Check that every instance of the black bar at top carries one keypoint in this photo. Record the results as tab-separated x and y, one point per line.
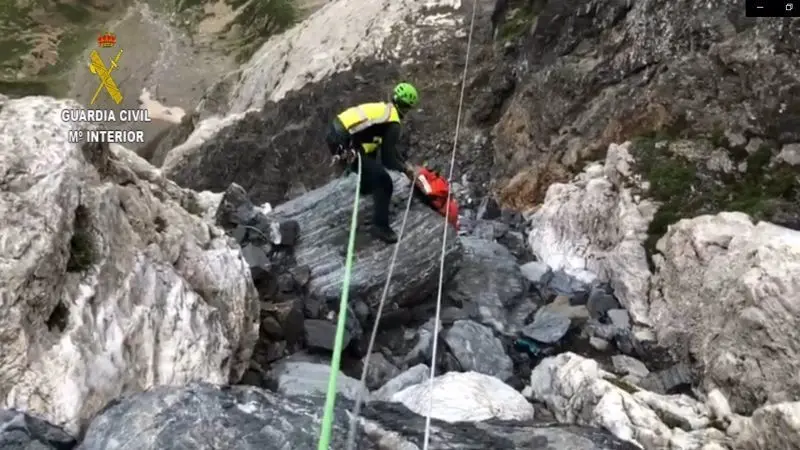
773	8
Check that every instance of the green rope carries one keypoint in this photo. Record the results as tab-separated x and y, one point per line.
330	396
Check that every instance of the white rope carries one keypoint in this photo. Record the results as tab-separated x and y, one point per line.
444	234
351	435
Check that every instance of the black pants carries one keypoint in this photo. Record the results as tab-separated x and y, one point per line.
375	180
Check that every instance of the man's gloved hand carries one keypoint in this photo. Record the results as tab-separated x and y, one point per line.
345	156
411	171
351	155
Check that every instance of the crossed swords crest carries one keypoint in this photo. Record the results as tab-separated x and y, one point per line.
97	67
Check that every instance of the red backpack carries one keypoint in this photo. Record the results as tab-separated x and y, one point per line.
436	189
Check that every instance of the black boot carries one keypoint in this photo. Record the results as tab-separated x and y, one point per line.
384	233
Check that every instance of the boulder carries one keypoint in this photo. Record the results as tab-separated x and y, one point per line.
726	294
323	216
321	334
536	272
600	303
208	417
491	286
110	280
20	431
578	391
563	283
477	349
292	377
619	318
670	379
626	365
771	426
595	226
548	327
413	376
465	397
380	371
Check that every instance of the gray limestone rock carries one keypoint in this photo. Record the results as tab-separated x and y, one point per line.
208	417
20	431
547	327
292	377
477	348
490	283
323	217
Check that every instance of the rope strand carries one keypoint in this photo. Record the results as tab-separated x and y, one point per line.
336	358
330	398
427	437
351	435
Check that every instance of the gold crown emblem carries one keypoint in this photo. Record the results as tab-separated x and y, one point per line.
107	40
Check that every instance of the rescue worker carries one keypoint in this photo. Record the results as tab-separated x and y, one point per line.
373	130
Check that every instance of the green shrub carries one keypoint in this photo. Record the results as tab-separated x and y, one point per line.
684	190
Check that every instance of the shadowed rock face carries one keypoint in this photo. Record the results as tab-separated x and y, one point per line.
20	431
282	144
203	416
586	75
273	151
265	161
605	71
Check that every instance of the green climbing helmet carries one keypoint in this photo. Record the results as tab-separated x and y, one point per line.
405	94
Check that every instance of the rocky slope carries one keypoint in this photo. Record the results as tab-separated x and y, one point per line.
609	71
106	275
283	142
489	334
173	51
277	422
570	79
599	320
721	300
125	285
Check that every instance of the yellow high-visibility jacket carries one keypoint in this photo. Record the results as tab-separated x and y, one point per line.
371	123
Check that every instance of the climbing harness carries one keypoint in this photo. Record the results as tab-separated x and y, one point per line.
330	398
427	437
336	358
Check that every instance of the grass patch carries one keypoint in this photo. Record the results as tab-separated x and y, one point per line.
24	88
183	5
685	189
14	20
622	384
76	14
75	23
519	21
718	138
261	19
